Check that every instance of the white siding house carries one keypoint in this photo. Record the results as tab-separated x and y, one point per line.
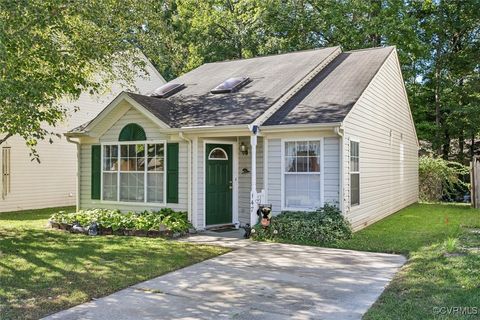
299	131
27	184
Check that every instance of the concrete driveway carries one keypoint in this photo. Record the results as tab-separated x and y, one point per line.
256	281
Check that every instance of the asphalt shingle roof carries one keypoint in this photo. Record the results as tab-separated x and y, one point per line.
327	98
272	77
330	95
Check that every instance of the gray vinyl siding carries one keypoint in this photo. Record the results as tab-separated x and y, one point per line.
244	180
274	179
153	132
332	170
331	186
387	184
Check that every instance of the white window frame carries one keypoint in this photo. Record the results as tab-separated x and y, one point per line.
145	176
321	173
351	171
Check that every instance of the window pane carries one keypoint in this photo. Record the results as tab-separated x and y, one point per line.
132	187
355	189
302	191
302	148
110	186
302	164
155	187
314	164
290	149
290	164
314	148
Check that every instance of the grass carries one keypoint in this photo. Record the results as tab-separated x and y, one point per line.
43	271
443	270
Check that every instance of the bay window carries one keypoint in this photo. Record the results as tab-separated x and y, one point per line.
302	176
134	172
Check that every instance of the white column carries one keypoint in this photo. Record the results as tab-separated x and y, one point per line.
253	191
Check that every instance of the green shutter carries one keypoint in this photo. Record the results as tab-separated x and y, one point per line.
172	173
96	171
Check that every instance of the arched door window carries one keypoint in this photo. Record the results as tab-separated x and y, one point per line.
217	154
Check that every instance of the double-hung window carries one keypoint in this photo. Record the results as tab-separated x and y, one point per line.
302	177
134	172
354	173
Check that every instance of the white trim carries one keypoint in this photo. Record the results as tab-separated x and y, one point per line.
321	173
145	172
195	183
234	177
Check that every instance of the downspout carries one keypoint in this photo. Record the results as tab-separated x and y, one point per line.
253	191
189	175
77	198
339	131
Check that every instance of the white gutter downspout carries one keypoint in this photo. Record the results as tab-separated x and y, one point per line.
339	131
189	175
77	196
253	192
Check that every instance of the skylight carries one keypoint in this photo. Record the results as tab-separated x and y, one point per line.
231	85
167	90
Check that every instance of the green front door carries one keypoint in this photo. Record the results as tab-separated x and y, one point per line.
218	191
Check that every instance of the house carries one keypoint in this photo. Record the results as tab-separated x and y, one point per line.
294	130
52	182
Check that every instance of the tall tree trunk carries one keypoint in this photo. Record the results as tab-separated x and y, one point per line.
438	114
446	145
461	146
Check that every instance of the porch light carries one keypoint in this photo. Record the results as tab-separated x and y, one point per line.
243	149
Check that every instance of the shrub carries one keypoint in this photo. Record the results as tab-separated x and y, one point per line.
324	225
439	178
114	219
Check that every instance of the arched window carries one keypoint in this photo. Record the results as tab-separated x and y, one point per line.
217	154
132	132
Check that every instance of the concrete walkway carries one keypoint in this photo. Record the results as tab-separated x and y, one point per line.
255	281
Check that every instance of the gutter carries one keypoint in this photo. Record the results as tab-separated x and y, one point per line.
77	197
189	174
339	130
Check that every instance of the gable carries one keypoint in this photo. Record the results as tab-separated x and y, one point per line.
132	116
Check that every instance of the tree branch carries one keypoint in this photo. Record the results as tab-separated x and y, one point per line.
5	138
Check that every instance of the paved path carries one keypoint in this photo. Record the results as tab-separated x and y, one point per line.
256	281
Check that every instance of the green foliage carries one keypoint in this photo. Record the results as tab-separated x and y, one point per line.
439	178
324	225
116	220
53	50
450	245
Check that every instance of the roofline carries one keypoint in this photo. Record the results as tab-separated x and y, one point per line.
273	55
120	97
299	127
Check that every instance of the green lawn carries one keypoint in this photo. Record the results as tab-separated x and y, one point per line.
44	270
431	279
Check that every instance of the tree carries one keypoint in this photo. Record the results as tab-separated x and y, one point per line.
52	49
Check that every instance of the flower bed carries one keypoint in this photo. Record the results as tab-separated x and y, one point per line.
163	223
324	225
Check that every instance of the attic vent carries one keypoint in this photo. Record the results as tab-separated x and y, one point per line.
167	90
231	85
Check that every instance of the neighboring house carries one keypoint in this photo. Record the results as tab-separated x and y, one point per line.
26	184
294	130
